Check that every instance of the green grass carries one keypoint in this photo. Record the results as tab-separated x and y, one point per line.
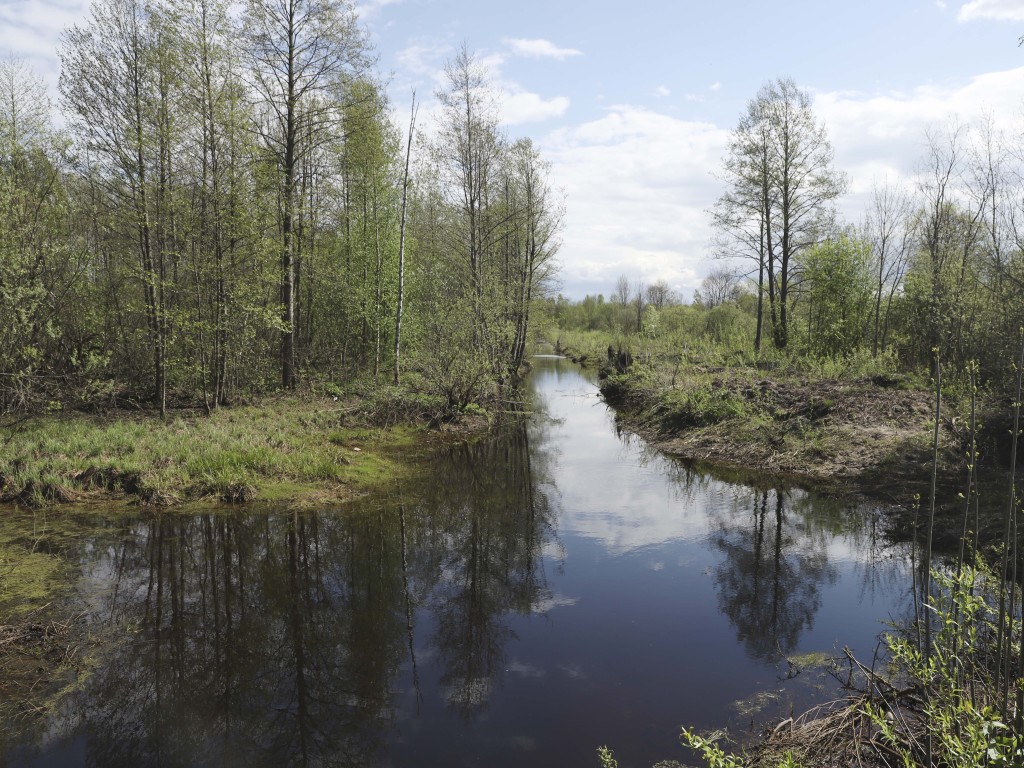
266	450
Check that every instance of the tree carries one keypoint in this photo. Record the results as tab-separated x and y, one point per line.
302	54
401	240
468	152
38	270
113	86
659	295
722	285
836	285
531	240
888	228
621	293
781	184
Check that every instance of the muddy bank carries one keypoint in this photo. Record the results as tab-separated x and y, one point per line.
864	436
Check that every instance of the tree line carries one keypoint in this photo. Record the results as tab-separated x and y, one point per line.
228	209
936	262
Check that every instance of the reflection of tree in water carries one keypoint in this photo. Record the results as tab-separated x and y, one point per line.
769	584
267	640
496	524
276	639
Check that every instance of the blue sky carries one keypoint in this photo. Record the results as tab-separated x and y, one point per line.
632	102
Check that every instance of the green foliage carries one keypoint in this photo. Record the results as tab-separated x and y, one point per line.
607	760
959	711
696	406
709	749
305	445
836	292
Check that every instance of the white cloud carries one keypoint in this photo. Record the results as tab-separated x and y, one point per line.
31	30
539	49
883	135
367	9
639	182
424	58
662	92
548	602
524	107
998	10
715	87
637	185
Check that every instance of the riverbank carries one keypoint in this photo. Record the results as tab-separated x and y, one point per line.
861	435
845	426
301	449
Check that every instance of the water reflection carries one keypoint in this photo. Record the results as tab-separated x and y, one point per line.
538	594
769	583
277	639
491	565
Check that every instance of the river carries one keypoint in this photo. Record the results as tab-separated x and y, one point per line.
537	595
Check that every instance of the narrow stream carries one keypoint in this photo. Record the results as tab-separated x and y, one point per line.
542	593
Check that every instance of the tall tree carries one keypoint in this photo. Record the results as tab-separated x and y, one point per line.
302	54
888	229
112	89
781	186
469	152
400	298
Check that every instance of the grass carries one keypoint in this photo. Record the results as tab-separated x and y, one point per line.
278	448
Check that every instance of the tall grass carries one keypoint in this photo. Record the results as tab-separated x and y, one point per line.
233	451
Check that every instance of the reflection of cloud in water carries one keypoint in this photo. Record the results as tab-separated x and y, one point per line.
546	602
575	671
525	670
657	566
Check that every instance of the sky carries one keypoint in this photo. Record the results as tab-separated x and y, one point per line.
632	103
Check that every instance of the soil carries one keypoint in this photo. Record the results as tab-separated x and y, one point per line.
856	435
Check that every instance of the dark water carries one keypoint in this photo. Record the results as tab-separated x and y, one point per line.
544	593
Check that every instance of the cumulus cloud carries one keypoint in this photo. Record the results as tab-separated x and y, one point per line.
638	183
997	10
878	136
662	92
539	49
525	107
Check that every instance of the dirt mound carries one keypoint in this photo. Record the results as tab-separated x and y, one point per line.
860	433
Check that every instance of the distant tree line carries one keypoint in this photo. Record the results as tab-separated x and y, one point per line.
229	210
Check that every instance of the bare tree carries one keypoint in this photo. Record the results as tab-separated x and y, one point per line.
722	285
659	295
621	293
639	303
888	227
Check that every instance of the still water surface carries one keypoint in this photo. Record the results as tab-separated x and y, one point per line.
543	593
